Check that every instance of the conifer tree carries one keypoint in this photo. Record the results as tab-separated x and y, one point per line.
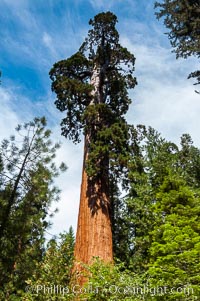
26	192
181	17
174	251
153	159
92	89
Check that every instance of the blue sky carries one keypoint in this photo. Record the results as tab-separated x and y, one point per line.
34	34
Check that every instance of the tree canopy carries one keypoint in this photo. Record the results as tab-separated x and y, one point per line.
181	17
92	88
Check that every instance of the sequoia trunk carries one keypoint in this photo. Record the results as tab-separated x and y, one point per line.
94	235
94	232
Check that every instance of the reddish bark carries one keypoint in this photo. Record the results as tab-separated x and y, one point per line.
94	233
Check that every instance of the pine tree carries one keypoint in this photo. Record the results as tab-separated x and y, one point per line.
174	250
26	192
149	159
182	19
92	88
153	158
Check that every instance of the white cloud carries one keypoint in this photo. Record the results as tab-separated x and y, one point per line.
105	4
8	117
15	4
101	3
34	42
171	109
164	98
47	39
49	44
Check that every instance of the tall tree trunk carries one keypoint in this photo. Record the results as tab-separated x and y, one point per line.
94	232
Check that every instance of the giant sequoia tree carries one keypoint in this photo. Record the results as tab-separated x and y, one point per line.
181	17
92	89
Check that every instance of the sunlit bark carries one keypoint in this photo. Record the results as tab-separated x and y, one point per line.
94	233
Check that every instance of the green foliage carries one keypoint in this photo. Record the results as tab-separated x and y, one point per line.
71	84
158	229
51	278
26	193
182	19
174	251
109	282
97	109
156	232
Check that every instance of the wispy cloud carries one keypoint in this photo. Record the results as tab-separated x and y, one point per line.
104	4
8	117
49	44
35	36
164	98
